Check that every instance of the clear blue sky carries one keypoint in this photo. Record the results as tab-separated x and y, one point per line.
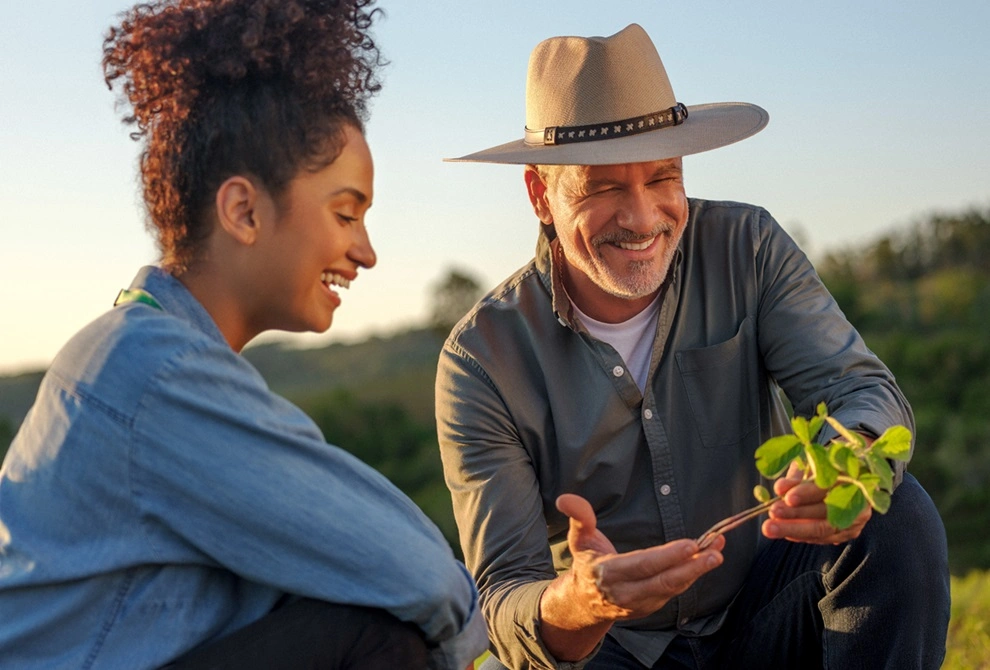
878	116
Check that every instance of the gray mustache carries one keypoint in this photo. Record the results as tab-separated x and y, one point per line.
626	236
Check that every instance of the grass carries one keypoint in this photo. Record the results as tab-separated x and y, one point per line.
968	645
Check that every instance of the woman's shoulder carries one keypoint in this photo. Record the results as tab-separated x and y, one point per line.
117	355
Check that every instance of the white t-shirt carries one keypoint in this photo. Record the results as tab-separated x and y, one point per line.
633	338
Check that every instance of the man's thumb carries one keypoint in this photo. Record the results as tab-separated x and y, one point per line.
583	520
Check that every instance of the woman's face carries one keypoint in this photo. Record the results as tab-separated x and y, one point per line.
318	242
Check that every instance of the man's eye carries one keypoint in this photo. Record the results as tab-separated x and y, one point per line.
347	220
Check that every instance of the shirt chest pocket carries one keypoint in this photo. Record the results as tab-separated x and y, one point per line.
721	386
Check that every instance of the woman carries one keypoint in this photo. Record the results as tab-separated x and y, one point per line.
159	502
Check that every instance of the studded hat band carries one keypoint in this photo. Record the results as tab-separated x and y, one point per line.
555	135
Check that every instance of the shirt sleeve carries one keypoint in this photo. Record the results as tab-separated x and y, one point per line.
246	480
812	350
498	508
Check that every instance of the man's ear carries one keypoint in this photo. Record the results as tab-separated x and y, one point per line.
537	190
238	203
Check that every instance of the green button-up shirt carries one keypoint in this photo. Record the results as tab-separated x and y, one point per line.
530	406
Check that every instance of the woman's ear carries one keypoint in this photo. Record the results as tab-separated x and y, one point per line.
240	207
536	188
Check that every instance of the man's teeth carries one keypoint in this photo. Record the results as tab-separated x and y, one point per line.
635	246
333	279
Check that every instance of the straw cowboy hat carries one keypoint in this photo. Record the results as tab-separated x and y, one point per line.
607	100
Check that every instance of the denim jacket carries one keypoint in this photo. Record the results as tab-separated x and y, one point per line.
159	496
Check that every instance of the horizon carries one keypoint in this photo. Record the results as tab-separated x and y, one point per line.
876	122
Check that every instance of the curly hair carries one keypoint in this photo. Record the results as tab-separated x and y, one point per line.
225	87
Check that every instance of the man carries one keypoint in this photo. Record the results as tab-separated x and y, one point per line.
602	406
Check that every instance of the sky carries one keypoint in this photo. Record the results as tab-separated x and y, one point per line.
878	117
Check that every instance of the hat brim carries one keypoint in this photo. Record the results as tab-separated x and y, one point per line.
707	127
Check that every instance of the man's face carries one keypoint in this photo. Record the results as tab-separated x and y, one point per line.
618	226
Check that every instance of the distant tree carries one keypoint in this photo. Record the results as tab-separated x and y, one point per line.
453	297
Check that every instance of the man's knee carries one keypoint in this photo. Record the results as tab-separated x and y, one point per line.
912	530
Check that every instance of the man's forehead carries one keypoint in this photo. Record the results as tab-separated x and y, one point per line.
592	173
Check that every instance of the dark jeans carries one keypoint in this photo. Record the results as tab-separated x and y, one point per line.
880	601
314	635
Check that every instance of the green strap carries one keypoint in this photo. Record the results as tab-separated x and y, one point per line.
135	295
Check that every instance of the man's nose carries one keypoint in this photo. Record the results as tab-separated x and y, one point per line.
638	212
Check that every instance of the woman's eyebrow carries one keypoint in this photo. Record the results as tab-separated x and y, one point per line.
358	195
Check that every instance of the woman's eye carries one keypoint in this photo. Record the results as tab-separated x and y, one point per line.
346	220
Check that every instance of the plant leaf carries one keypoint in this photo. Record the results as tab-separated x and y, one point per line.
881	468
825	472
774	455
800	427
881	501
815	426
853	439
843	504
895	443
839	456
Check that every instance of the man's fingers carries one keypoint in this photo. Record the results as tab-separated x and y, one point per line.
579	510
646	564
814	511
799	493
814	530
645	580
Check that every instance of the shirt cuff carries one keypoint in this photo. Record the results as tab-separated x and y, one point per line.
457	652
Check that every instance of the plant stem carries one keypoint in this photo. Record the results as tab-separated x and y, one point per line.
734	521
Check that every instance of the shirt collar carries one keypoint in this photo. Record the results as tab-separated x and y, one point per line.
176	300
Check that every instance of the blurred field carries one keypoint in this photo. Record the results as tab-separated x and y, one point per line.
968	647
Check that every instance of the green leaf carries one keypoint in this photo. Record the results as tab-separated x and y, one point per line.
774	455
825	472
853	465
855	440
895	443
815	425
843	504
881	501
870	480
761	493
800	427
839	456
881	468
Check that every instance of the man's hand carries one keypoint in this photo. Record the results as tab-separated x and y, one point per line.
603	586
801	515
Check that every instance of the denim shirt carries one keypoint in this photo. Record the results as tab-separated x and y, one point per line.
530	406
159	496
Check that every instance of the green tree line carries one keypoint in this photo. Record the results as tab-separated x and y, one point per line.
921	299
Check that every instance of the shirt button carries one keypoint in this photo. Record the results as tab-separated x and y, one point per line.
665	490
685	621
618	371
648	414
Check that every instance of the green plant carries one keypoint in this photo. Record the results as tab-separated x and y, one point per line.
855	473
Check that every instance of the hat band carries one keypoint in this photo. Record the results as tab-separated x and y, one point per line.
555	135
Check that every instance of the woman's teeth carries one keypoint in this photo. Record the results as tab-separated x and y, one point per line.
334	279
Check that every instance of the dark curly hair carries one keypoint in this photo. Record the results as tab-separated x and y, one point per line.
225	87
